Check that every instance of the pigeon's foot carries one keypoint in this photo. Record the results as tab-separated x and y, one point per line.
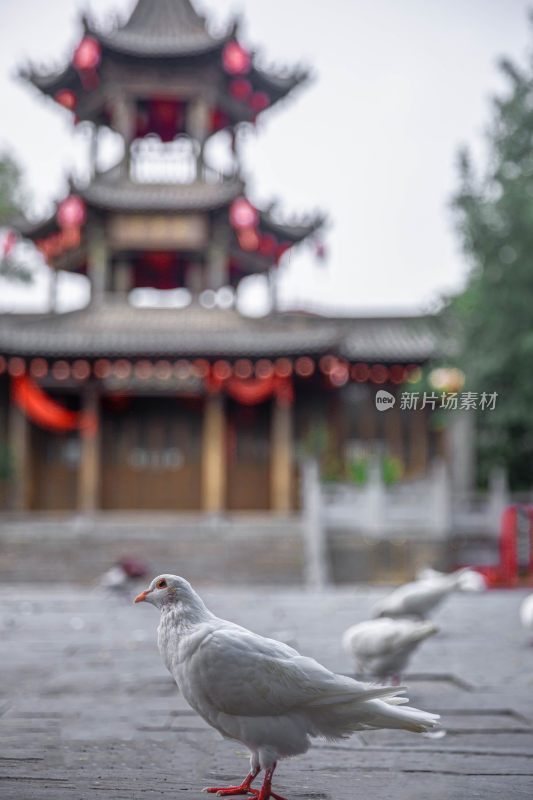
266	792
228	791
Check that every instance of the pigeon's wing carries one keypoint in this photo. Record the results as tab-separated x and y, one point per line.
240	673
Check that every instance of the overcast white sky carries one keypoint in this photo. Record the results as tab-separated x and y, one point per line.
400	86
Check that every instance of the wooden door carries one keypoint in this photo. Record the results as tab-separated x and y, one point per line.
248	456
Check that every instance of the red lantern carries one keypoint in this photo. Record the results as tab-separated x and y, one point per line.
379	373
87	55
71	213
360	373
38	367
122	369
102	368
182	370
283	367
81	370
66	98
304	367
240	89
16	367
61	370
235	59
327	364
163	370
143	369
201	368
248	240
397	374
243	368
242	214
221	370
259	101
339	374
264	368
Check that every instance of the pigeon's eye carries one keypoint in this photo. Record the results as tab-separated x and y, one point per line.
162	584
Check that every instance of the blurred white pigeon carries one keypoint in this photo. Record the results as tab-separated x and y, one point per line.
420	597
526	613
469	580
382	647
261	692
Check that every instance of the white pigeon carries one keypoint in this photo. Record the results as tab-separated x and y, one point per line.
418	598
469	579
382	647
261	692
526	612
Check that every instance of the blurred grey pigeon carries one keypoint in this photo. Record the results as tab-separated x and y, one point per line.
382	647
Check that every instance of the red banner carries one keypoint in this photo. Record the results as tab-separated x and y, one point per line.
46	412
252	391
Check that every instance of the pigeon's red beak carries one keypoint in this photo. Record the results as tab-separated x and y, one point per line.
140	598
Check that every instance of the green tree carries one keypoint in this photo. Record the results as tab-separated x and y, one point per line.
11	203
495	312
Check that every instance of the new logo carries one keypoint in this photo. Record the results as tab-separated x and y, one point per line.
384	400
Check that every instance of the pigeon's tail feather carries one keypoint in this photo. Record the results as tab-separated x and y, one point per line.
339	720
342	698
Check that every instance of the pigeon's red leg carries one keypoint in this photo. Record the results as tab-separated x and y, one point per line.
244	788
266	789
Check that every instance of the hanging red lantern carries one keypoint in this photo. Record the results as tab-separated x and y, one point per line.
182	370
66	98
221	370
38	367
304	367
264	368
81	369
201	368
71	213
327	364
243	368
87	55
339	374
235	59
122	369
378	373
248	240
162	370
397	374
143	369
360	373
102	368
283	367
16	367
61	370
240	89
242	214
259	101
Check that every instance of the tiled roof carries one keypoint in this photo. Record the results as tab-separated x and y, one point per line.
161	28
119	329
126	195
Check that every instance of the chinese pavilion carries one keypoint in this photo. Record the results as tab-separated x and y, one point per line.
117	406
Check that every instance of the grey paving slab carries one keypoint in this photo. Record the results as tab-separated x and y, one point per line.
88	710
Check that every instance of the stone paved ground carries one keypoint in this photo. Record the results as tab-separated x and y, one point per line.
90	712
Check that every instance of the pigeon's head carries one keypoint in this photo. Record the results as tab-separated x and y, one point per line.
165	590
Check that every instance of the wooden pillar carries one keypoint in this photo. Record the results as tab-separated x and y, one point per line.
19	446
97	263
392	421
214	455
418	434
281	457
89	469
